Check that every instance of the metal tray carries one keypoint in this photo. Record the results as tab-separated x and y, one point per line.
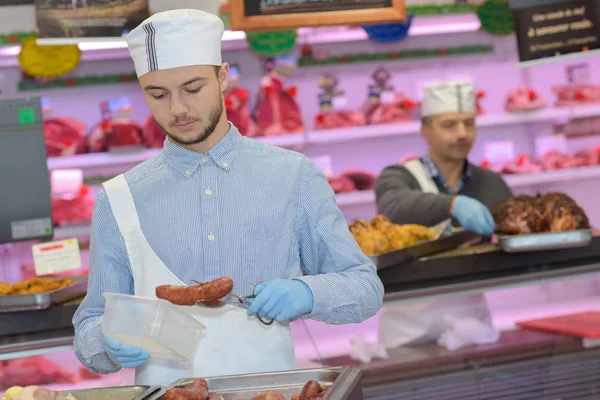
457	238
112	393
343	384
545	241
41	301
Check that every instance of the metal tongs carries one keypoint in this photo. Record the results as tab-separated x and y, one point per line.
239	299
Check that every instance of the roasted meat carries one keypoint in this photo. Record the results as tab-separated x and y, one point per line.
553	212
518	215
562	213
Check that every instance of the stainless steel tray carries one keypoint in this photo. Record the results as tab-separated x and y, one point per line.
112	393
40	301
545	241
343	384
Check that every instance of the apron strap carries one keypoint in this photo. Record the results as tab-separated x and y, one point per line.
417	169
121	202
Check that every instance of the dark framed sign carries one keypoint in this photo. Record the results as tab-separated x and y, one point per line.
256	15
553	30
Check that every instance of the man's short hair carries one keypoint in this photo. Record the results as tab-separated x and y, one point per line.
426	120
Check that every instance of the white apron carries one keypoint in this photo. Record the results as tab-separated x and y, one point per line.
407	322
232	343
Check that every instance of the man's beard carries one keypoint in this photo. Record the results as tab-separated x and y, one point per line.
213	119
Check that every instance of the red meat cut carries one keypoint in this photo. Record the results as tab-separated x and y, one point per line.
32	371
553	160
74	209
238	112
362	180
64	137
111	134
153	135
341	184
339	119
277	112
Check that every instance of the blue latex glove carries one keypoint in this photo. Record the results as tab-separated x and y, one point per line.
124	356
473	216
281	300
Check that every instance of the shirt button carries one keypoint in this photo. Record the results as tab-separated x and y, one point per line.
204	159
208	192
188	173
211	237
225	164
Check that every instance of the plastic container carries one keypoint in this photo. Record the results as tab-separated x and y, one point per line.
154	325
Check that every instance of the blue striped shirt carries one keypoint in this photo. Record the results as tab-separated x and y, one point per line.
271	214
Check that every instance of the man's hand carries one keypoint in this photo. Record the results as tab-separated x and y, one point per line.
124	356
281	300
473	215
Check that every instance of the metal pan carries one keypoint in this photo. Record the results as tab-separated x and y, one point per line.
545	241
41	301
343	383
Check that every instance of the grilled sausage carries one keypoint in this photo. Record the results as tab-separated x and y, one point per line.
186	394
190	295
272	395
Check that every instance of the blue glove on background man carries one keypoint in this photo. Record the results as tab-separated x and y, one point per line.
124	356
281	300
473	216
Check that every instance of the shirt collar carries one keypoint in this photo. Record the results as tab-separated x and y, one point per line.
434	173
188	161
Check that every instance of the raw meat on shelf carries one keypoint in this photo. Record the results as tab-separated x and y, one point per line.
30	371
331	116
277	112
523	99
64	136
72	209
554	159
479	97
236	104
579	94
117	133
362	180
153	134
352	180
524	164
341	184
380	110
583	158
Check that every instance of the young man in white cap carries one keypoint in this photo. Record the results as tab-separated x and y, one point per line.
214	204
440	185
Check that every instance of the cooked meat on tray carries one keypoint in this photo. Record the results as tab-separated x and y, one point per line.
381	236
198	390
552	212
34	286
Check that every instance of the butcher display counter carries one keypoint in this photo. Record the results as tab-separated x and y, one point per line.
333	383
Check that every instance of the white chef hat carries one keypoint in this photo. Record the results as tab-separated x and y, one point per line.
445	97
176	38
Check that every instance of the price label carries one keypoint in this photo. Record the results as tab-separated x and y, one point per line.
52	257
339	103
545	144
499	152
388	97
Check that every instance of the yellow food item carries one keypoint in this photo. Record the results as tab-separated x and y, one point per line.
33	286
12	392
380	235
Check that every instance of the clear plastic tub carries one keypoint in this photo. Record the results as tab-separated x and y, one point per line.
156	326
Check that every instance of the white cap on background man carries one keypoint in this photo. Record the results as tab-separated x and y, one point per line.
447	97
176	38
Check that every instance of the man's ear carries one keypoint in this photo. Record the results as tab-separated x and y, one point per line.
224	76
